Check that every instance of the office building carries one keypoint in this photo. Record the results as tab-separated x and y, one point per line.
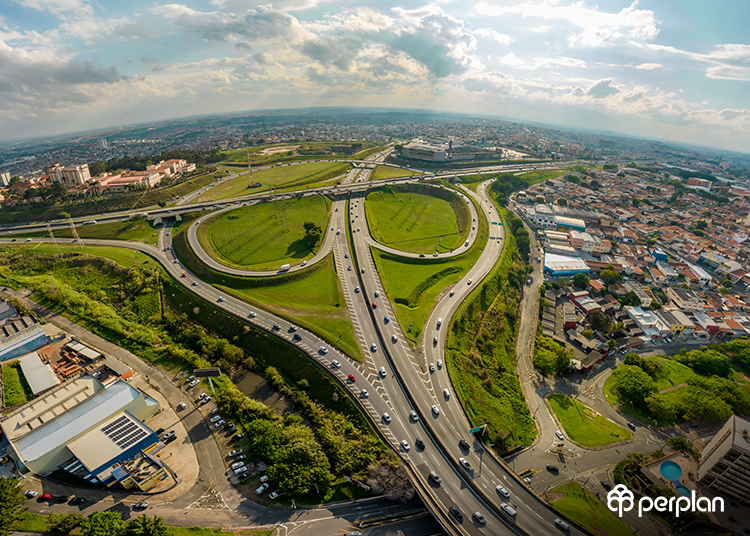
724	465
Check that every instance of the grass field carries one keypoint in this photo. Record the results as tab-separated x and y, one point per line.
16	389
31	523
121	256
139	230
589	512
300	151
282	178
265	236
585	426
389	172
416	222
671	373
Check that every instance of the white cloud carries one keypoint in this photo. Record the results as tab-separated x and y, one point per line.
648	66
512	60
503	39
59	7
598	27
728	62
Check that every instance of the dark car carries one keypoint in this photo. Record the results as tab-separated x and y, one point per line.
77	500
229	425
463	444
606	485
276	327
553	468
297	337
61	498
231	430
419	443
236	438
631	426
455	512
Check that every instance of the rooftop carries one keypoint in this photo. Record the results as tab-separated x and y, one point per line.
40	376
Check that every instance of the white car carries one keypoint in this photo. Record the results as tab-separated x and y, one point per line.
373	348
382	371
559	435
363	270
440	363
405	445
356	290
182	405
436	410
414	416
387	418
237	465
234	453
216	418
202	396
466	465
364	393
394	339
346	255
193	383
323	350
276	494
335	364
377	293
432	367
221	298
261	489
446	393
252	314
502	491
240	470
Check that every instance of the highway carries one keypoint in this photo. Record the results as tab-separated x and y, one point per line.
407	383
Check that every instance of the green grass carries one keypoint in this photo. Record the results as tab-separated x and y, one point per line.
417	219
15	387
31	523
342	491
302	151
121	256
139	230
589	512
265	236
671	373
389	172
282	178
473	181
583	425
311	298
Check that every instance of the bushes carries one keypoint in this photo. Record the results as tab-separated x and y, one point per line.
550	357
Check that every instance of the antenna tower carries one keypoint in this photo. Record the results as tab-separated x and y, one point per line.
76	238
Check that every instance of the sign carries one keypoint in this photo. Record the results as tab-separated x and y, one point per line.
207	372
475	430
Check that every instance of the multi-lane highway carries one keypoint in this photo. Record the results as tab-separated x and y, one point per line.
405	390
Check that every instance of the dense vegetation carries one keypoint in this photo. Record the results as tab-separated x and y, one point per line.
16	389
481	353
139	162
153	316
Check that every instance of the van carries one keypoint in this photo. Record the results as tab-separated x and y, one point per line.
509	510
285	268
562	525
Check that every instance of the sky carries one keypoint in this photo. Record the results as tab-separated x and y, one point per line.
668	69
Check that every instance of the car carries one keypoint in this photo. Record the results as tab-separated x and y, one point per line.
297	337
276	327
419	443
434	254
229	425
479	517
508	510
382	371
527	480
434	341
374	305
606	485
335	364
323	350
373	348
559	435
440	363
414	416
305	262
463	444
216	418
240	470
195	283
181	405
237	465
466	465
252	314
183	274
439	323
352	378
350	268
552	468
206	400
346	255
202	396
276	494
421	255
432	367
435	477
456	513
263	487
363	270
221	298
562	525
452	292
240	457
631	426
364	394
193	383
292	329
386	320
140	506
435	410
469	283
446	393
502	491
30	494
77	500
264	478
387	418
215	411
219	423
405	445
394	339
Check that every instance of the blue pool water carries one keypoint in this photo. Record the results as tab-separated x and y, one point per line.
682	490
670	470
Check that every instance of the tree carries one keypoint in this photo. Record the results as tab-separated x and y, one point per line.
681	443
391	479
600	322
702	224
707	361
611	344
647	365
587	333
313	233
102	524
550	357
636	202
617	327
146	526
662	407
632	384
594	185
581	281
654	305
64	523
12	501
727	283
609	276
562	202
704	405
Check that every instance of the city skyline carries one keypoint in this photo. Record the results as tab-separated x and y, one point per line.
675	71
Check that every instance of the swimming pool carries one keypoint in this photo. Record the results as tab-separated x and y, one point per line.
682	490
670	470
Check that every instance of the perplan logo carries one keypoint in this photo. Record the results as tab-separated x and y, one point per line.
620	499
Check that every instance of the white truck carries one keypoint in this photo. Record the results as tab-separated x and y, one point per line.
285	268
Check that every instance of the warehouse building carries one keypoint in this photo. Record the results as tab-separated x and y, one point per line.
82	428
20	337
40	377
561	265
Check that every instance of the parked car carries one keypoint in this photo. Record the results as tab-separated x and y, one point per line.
77	500
140	506
236	438
240	470
30	494
262	488
215	418
182	405
237	465
193	383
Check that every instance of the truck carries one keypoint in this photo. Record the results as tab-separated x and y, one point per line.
285	268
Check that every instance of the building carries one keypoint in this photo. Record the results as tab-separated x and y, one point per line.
7	311
425	151
81	425
564	223
40	377
648	321
570	319
20	337
561	265
724	465
102	144
584	303
543	217
71	176
82	351
701	183
677	321
5	178
684	299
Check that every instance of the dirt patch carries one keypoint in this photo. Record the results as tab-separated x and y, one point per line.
277	150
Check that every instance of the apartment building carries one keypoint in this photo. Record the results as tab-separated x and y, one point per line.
651	325
70	176
678	322
724	465
684	299
543	217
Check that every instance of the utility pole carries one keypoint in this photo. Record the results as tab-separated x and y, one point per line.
54	240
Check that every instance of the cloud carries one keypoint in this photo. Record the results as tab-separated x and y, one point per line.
728	61
503	39
602	89
61	8
511	60
648	66
599	27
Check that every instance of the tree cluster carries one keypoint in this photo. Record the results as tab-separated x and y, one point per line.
389	478
313	233
550	357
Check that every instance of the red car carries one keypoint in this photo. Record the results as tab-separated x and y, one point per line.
184	274
374	305
45	497
352	378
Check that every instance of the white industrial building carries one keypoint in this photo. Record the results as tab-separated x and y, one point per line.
40	376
